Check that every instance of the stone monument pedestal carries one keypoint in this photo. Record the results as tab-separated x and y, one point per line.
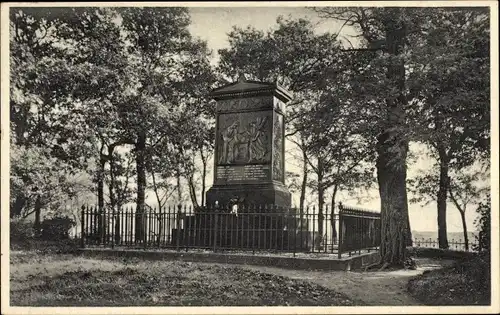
249	155
250	195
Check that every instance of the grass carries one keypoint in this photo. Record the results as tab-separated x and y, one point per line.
60	278
467	282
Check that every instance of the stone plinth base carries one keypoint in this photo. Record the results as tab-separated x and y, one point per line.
249	195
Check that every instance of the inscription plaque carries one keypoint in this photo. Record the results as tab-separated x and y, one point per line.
243	173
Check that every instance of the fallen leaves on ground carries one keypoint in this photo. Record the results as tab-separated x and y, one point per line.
172	283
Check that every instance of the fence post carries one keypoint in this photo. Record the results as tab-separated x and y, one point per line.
82	234
178	221
144	221
339	247
294	234
216	219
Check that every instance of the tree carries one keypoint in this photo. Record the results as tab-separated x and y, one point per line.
465	189
49	82
453	112
168	68
380	97
483	223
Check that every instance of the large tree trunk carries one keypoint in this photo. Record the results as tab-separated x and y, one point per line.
392	149
464	225
391	175
141	186
442	197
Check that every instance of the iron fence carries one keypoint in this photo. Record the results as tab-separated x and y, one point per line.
458	245
264	228
359	229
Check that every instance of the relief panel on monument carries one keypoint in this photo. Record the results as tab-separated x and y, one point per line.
278	148
244	138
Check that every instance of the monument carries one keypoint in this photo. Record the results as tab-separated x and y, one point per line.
249	168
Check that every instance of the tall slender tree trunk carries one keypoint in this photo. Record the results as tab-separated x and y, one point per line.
442	197
321	200
203	178
141	185
192	191
332	220
303	188
392	150
37	225
112	174
464	225
179	188
100	195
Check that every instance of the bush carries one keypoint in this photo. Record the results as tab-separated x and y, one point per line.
21	230
57	228
483	224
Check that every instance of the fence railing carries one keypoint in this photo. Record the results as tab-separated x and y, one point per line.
359	229
265	228
458	245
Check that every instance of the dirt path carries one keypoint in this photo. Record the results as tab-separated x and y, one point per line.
369	288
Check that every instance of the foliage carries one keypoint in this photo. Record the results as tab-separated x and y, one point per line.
37	175
57	228
404	85
298	59
483	224
21	230
87	81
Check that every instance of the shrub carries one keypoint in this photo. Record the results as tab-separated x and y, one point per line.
483	224
57	228
21	230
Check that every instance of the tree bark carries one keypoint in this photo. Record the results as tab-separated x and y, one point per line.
321	199
391	175
304	181
100	195
464	225
100	181
38	211
179	188
141	185
332	220
192	192
203	178
442	197
392	149
112	199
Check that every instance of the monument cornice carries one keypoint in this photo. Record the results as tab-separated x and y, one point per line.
280	93
244	87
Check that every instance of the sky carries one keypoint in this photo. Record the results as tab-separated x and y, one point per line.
213	24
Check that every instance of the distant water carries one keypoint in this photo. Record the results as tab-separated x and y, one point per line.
456	236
